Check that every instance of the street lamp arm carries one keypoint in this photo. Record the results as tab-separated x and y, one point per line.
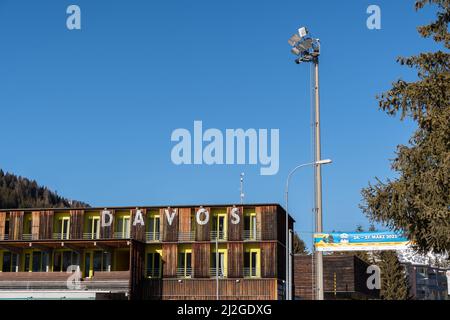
287	244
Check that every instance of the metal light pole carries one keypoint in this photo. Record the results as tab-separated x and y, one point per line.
318	184
308	50
288	248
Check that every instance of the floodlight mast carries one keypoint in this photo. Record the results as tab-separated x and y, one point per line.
307	49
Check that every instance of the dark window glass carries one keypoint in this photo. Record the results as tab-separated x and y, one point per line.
15	262
98	261
6	265
6	227
87	264
247	223
44	261
67	260
181	260
253	271
188	260
36	261
157	261
247	260
27	262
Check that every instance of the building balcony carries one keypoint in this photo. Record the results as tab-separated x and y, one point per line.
250	273
4	237
154	273
252	235
218	236
121	235
91	236
184	272
60	236
221	272
152	236
29	237
186	236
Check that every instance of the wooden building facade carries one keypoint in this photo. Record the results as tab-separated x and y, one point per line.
153	252
345	278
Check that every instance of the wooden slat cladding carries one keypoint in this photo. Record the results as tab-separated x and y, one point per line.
268	260
201	258
205	289
344	276
184	223
169	229
2	225
266	221
138	230
76	224
169	259
137	269
235	259
202	231
107	231
46	224
35	223
16	225
303	277
235	231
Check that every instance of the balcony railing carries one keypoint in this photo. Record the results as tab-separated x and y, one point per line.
153	273
60	236
218	235
110	281
91	236
184	272
213	272
29	237
4	237
250	273
252	235
186	236
121	235
152	236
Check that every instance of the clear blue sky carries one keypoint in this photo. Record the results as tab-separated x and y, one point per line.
89	113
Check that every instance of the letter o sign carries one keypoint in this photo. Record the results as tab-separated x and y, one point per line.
199	216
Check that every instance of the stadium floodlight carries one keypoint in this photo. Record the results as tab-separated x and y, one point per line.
304	46
302	32
294	40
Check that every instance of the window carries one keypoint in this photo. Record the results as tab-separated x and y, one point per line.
123	227
219	227
185	264
62	229
27	260
63	259
153	228
8	261
93	231
6	231
26	234
37	263
252	263
250	227
221	259
154	265
96	260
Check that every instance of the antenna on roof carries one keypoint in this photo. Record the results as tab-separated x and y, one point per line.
242	188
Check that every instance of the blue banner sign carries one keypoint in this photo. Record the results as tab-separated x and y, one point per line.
360	241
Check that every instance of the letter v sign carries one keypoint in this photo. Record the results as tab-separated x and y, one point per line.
170	215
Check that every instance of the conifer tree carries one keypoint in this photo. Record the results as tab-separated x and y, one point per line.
418	201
